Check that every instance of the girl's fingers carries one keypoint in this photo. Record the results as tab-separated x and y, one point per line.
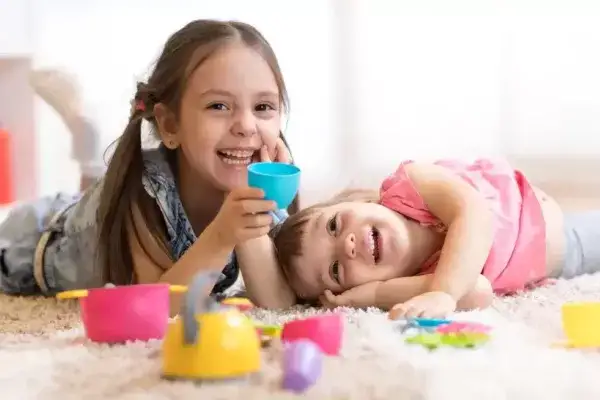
325	302
264	154
413	312
256	206
398	311
245	193
257	220
333	299
282	153
257	232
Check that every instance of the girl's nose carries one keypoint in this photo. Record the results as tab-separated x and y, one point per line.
245	124
350	245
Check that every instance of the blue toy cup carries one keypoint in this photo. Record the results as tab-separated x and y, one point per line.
279	181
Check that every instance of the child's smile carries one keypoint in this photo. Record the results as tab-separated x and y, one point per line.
349	244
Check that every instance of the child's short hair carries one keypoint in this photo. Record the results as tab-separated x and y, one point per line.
290	238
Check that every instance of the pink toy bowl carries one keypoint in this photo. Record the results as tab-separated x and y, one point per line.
124	313
324	330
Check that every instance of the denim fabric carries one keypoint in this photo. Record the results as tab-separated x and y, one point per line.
582	250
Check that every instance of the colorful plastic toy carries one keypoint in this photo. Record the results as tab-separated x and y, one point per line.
213	342
118	314
581	324
302	365
240	303
459	340
324	330
279	181
463	327
421	324
430	322
428	340
267	333
433	333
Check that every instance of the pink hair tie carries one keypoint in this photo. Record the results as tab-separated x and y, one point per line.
140	106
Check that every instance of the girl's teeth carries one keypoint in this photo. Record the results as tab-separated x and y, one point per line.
238	153
236	161
236	157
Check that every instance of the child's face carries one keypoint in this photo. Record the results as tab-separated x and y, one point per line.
349	244
230	108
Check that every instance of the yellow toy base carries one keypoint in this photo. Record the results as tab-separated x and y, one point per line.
227	346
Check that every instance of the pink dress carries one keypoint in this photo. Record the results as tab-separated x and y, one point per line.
517	258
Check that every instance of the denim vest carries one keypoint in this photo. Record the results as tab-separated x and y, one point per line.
159	183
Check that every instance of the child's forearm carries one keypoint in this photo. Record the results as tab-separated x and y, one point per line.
265	282
465	251
400	290
206	254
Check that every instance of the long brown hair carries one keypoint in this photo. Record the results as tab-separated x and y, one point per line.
182	54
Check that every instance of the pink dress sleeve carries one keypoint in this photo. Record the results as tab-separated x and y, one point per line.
398	193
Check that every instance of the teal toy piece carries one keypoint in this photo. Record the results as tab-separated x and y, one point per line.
279	181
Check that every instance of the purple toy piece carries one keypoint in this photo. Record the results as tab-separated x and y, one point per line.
302	365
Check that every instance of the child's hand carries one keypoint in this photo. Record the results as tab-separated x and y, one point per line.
242	216
426	305
359	297
279	154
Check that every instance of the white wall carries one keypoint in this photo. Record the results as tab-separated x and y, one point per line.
469	78
371	81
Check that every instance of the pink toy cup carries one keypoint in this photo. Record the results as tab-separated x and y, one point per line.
324	330
124	313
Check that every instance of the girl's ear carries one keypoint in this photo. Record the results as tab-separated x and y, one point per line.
167	126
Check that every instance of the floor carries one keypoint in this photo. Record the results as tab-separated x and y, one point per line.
45	356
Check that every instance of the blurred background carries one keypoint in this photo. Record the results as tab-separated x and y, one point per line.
371	82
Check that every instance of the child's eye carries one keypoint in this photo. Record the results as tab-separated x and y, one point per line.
332	225
264	107
334	271
218	106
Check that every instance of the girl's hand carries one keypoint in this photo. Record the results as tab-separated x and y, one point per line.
279	154
426	305
243	215
359	297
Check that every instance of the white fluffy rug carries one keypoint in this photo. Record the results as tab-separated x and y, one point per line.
40	359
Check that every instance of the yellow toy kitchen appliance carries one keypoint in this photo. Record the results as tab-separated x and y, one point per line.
209	341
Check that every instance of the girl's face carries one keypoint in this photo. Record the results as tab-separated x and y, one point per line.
348	244
229	110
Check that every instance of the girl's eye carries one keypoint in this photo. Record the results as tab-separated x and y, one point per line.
334	271
332	225
218	106
264	107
